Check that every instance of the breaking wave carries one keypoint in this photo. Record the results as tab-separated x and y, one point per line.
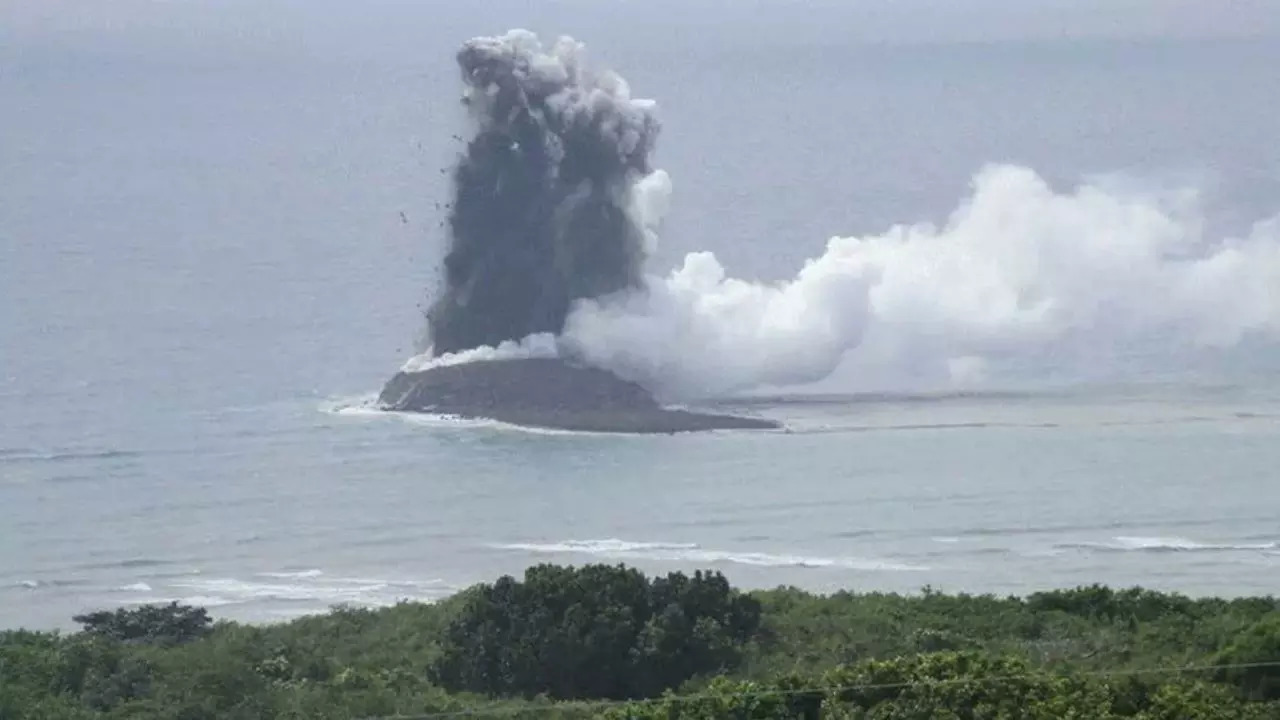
135	587
307	588
1161	544
694	553
23	455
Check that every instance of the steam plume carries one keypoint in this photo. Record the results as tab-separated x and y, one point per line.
1018	269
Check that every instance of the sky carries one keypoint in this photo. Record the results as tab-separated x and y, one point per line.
326	26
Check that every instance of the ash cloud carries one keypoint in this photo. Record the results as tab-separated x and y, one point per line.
542	213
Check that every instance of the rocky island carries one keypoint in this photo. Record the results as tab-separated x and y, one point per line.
548	393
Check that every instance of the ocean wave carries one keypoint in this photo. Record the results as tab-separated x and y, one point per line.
694	553
246	591
371	411
128	564
399	538
366	407
478	423
301	574
853	534
800	561
311	588
135	587
169	574
458	422
595	547
1163	544
351	404
833	428
837	425
32	584
1114	525
880	398
71	478
208	601
16	455
436	583
203	601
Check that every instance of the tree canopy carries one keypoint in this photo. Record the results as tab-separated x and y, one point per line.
594	632
155	624
604	640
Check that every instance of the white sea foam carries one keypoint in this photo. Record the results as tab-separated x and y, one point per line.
365	407
313	573
694	553
772	560
1125	543
313	587
135	587
1158	543
350	405
245	591
205	601
208	601
456	422
433	583
371	411
595	547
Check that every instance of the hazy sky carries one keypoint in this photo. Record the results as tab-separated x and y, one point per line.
330	24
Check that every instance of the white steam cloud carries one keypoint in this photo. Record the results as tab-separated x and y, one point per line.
538	345
1016	269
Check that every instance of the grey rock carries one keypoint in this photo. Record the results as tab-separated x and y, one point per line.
548	393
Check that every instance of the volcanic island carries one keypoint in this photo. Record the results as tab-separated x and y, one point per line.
548	393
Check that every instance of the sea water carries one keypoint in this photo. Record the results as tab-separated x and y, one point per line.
214	249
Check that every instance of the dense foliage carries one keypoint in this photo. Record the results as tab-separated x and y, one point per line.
170	624
972	686
597	633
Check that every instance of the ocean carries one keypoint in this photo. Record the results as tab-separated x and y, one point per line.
217	238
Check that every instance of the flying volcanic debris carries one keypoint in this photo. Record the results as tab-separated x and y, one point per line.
540	213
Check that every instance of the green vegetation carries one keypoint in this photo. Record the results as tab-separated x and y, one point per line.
171	624
596	632
600	641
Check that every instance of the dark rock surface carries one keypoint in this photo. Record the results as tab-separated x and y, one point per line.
548	393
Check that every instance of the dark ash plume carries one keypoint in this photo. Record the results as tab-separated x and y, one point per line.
540	210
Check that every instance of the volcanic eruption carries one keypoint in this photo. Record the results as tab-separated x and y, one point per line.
544	214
